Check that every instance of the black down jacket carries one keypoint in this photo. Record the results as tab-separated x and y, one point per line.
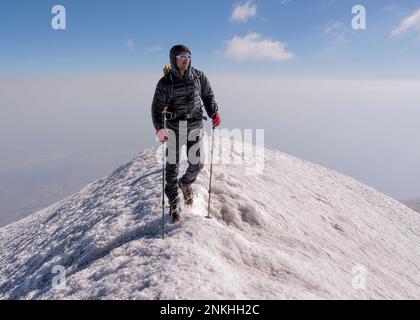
184	96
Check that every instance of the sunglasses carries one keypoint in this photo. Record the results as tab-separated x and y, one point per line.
183	57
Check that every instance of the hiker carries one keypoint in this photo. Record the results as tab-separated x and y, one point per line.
179	96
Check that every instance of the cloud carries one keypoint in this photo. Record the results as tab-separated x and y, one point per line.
410	23
242	12
254	47
391	8
76	92
154	49
337	32
130	44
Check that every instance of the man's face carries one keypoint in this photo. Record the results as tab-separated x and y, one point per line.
183	61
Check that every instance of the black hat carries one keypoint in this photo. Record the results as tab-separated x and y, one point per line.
176	50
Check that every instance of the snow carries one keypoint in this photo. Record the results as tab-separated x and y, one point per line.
295	231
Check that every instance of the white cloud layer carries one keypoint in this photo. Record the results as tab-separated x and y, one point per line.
254	47
243	11
316	119
410	23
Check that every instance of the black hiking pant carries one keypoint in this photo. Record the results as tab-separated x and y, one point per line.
183	133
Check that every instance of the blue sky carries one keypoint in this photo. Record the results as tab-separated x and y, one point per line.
135	36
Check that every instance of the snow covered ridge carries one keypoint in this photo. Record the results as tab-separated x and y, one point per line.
295	231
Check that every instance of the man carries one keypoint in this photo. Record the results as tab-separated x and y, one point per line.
179	96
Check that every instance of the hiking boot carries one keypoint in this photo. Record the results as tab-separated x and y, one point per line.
175	211
187	192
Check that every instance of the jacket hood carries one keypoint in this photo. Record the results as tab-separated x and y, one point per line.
175	50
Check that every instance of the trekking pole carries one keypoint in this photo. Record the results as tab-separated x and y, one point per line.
163	189
163	174
211	172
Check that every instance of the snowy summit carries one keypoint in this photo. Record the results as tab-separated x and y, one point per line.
295	231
